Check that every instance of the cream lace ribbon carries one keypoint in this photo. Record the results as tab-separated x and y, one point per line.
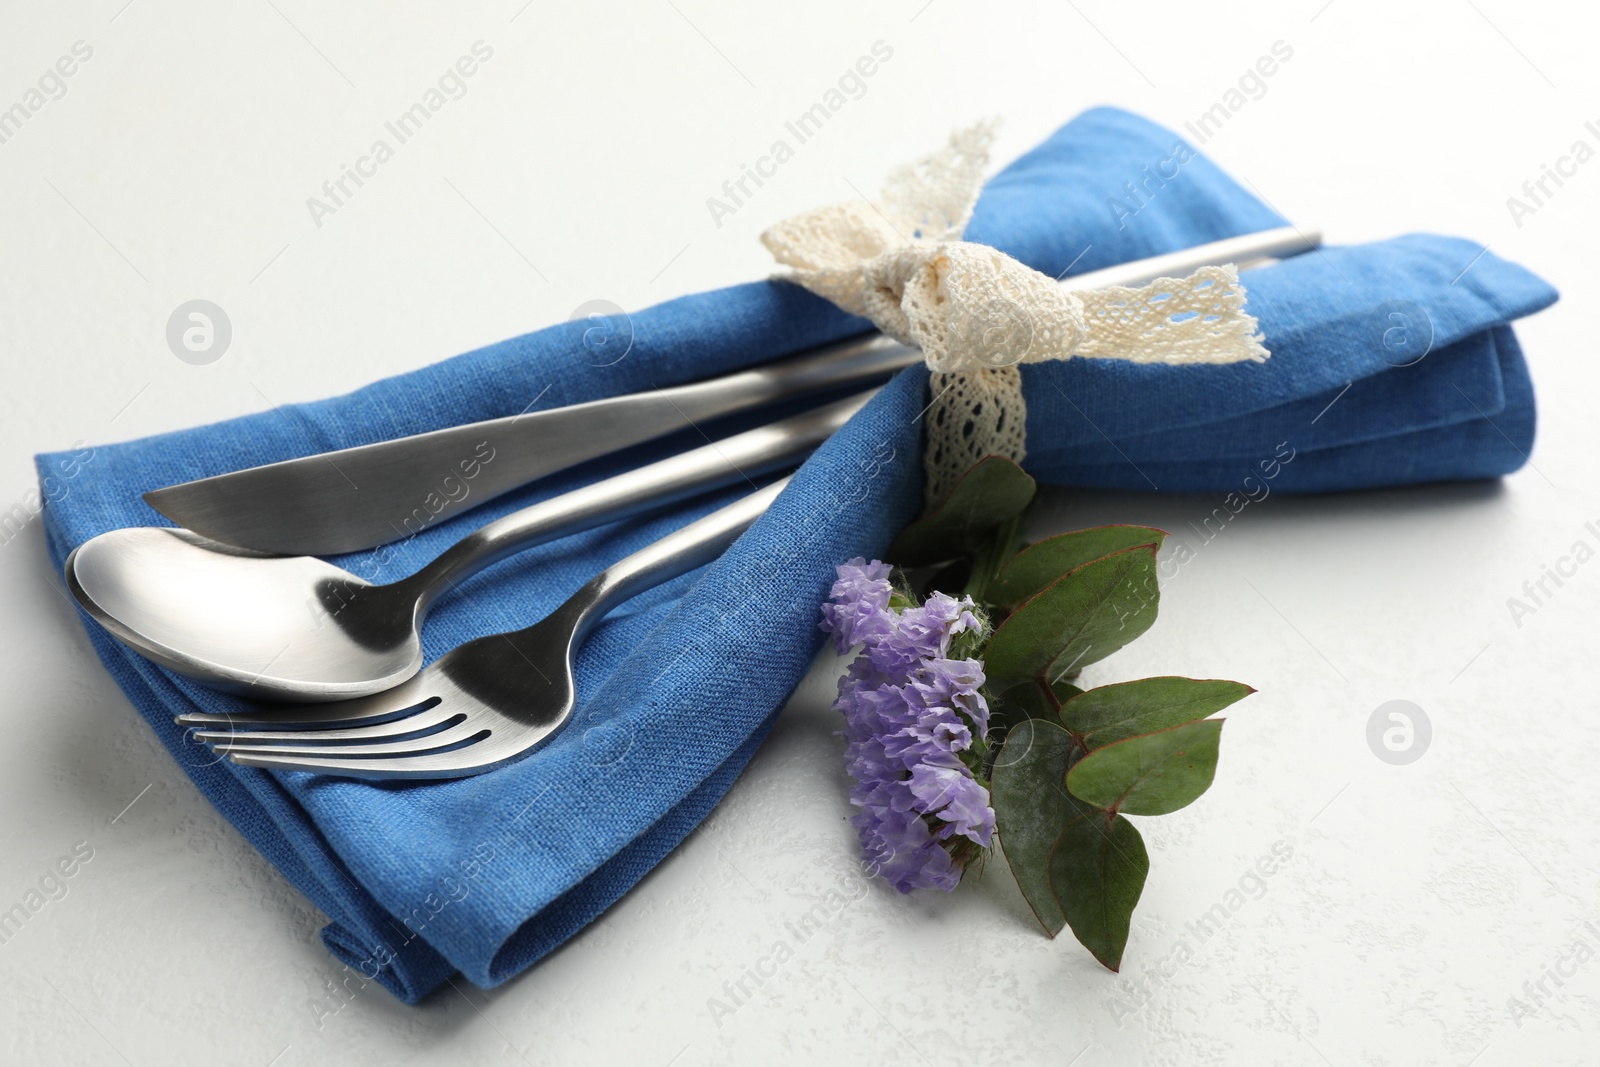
978	314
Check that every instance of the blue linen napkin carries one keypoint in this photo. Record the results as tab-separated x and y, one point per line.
678	688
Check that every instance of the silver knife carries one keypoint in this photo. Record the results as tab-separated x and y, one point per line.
357	498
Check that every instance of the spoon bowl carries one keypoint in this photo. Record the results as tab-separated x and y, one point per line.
279	627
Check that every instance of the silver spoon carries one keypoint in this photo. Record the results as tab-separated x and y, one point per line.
297	628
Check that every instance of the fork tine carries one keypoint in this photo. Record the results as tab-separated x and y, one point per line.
389	704
456	763
405	746
390	729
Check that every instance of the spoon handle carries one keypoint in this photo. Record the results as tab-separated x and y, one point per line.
720	463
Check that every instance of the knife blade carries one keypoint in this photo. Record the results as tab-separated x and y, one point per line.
369	495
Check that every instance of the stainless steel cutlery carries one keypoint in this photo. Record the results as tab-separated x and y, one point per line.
357	498
482	704
239	601
297	628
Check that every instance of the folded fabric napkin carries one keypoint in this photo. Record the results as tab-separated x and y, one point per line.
678	687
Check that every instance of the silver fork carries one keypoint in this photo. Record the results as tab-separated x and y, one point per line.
482	704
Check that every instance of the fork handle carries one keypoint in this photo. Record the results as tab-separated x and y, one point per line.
719	463
698	543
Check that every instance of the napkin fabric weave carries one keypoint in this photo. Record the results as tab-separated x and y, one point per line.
678	687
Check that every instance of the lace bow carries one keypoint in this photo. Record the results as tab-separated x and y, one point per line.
977	313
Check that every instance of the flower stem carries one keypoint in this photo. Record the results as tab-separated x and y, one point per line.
992	555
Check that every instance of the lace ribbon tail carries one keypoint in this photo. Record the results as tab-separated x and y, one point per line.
974	414
1198	319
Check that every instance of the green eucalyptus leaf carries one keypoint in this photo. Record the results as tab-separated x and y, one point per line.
1097	871
1064	691
1041	563
1031	805
1152	774
1028	701
1112	713
1017	705
1081	619
990	494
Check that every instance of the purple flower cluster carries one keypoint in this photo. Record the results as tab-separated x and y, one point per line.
908	711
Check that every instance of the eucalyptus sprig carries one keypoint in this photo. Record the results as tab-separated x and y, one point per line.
1065	767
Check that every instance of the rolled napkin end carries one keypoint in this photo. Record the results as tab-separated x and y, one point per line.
976	313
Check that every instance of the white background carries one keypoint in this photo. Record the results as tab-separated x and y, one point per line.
1419	898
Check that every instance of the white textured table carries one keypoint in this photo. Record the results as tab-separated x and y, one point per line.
175	163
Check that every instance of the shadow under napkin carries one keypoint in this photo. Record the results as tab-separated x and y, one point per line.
678	687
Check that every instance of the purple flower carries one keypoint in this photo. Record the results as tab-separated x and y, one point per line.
909	711
859	602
